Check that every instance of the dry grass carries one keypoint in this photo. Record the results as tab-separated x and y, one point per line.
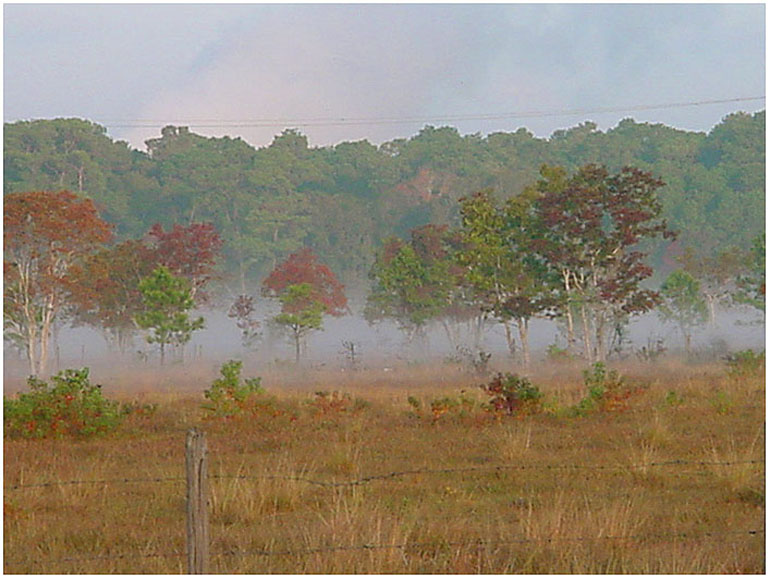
630	511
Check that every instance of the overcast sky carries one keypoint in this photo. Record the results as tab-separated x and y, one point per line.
349	72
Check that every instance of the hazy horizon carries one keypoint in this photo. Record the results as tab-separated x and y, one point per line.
380	71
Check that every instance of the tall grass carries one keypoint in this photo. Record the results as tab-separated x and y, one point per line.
572	494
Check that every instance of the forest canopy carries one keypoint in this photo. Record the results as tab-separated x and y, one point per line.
343	200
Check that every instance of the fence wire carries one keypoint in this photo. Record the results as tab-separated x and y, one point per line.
399	474
408	546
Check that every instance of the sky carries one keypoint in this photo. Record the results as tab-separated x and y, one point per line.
344	72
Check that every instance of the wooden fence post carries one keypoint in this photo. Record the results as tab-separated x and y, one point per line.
197	499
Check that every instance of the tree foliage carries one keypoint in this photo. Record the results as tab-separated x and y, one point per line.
303	267
44	235
269	202
683	304
591	227
166	301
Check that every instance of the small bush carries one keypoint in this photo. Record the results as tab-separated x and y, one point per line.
511	394
69	406
471	362
554	353
607	390
228	395
652	351
745	363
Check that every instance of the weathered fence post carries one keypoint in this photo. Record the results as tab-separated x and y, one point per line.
197	498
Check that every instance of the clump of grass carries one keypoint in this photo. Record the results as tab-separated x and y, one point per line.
745	363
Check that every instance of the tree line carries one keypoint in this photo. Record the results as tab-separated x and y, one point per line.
570	247
342	200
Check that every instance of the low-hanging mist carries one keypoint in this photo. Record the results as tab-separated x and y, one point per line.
380	346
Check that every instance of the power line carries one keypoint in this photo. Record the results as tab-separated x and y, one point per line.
395	120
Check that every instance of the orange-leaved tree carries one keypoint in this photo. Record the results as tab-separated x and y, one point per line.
44	234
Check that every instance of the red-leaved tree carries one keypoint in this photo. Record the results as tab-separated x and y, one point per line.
105	288
303	267
189	252
44	235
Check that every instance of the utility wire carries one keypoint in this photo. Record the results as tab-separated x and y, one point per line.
395	120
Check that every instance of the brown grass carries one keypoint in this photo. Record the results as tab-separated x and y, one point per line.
538	494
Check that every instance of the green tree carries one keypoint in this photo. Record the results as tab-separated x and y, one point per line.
412	284
683	304
716	274
751	287
505	275
300	313
167	300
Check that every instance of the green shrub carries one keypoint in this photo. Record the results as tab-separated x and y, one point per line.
70	406
556	354
745	363
228	395
607	390
511	394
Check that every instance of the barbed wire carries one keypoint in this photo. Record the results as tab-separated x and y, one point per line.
94	482
407	546
402	473
482	543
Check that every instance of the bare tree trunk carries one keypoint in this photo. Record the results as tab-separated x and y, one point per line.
601	350
587	349
523	324
509	339
711	301
453	337
296	346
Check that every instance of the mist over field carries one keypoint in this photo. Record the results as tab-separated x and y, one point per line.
381	346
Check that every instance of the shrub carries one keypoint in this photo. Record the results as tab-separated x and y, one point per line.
228	395
745	363
607	390
554	353
69	406
511	394
471	362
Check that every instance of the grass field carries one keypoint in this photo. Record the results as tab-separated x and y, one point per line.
670	480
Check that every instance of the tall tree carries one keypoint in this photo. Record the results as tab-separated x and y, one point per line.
507	278
44	234
591	225
751	286
414	282
683	304
716	274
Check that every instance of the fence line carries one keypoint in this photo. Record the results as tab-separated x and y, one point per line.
406	546
397	474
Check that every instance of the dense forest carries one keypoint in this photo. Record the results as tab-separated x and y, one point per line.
342	201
